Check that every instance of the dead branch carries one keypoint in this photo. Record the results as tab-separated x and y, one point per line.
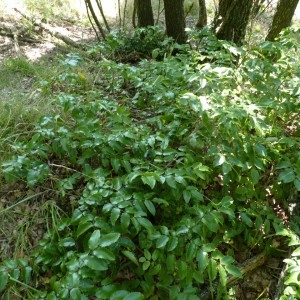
18	35
245	268
250	265
52	31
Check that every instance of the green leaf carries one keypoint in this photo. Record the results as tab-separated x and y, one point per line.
109	239
96	263
225	260
293	279
162	241
155	53
27	274
125	220
203	260
180	179
187	196
286	175
227	211
174	291
233	270
136	224
115	162
254	176
219	160
75	294
171	182
296	252
182	230
67	242
226	168
149	180
283	164
3	279
10	263
105	292
15	273
246	219
267	226
132	176
212	269
261	150
150	206
134	296
94	240
171	260
182	269
172	244
147	254
119	295
198	276
104	254
222	274
196	194
127	166
145	223
146	265
210	222
83	227
154	270
297	184
130	255
115	214
191	251
117	183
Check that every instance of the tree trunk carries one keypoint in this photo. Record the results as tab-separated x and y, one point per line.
90	10
232	19
257	6
202	15
283	17
144	13
175	20
100	7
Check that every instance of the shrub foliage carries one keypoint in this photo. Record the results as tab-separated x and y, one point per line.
172	165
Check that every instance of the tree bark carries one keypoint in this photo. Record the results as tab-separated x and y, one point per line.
90	9
202	15
232	19
283	17
144	13
100	7
175	20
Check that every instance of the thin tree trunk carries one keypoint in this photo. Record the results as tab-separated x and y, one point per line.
99	4
175	20
134	14
158	12
232	19
202	15
124	13
90	9
283	17
144	13
119	12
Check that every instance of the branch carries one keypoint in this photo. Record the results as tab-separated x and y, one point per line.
52	31
245	268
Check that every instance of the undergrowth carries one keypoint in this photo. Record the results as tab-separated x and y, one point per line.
165	169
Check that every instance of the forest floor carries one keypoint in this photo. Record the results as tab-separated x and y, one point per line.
258	284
